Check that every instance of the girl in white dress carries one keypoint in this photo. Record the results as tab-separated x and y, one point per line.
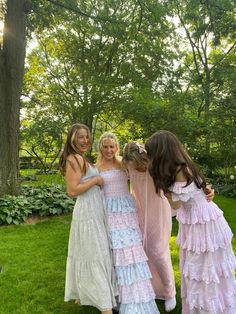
89	270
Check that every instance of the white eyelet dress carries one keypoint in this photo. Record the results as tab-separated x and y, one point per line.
89	270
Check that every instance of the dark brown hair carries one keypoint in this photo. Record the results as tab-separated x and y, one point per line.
167	157
70	147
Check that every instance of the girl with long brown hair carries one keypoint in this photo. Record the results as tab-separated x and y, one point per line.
207	261
89	270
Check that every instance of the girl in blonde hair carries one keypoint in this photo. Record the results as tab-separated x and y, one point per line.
89	270
136	295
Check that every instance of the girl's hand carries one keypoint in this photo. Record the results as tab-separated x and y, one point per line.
210	193
99	181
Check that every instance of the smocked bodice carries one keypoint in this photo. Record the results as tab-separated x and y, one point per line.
115	182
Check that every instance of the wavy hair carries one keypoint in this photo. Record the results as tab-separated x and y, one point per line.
168	157
103	137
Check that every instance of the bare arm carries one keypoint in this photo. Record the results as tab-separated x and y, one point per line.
180	177
174	205
74	187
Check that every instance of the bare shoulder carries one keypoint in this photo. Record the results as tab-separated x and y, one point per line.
180	177
76	161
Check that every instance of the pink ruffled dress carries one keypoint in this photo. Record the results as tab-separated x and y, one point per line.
154	214
207	261
136	295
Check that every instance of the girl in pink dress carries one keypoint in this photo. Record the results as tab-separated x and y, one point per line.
155	219
136	295
207	261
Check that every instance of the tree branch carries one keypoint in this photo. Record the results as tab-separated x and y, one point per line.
82	13
223	57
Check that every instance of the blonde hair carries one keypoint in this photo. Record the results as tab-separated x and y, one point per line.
135	152
107	136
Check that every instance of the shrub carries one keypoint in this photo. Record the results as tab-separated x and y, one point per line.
48	200
43	201
14	209
226	190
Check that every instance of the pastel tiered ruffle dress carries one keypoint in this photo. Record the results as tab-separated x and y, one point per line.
155	220
136	295
207	261
90	274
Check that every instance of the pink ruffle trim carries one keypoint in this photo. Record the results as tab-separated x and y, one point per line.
138	292
182	192
205	237
219	304
122	221
199	214
211	268
129	255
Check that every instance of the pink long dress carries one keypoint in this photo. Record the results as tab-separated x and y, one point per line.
155	219
207	261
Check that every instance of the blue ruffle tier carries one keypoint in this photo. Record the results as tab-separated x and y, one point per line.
123	203
127	275
124	238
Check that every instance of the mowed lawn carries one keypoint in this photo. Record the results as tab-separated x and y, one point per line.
33	257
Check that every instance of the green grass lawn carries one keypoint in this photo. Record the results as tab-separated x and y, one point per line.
41	179
34	257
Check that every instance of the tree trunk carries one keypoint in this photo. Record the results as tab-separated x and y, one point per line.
12	57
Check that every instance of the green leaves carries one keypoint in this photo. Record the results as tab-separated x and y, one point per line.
42	201
14	209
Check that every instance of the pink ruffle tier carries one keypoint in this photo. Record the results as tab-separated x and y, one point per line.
139	292
129	255
207	261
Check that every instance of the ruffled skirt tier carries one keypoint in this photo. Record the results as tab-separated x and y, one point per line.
207	261
136	295
90	275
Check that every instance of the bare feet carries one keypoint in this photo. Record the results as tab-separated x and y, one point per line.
77	302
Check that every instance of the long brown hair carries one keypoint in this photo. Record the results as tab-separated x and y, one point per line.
70	147
167	157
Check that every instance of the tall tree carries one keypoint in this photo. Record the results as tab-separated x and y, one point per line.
12	57
209	28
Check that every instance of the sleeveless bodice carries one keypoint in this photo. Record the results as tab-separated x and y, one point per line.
115	182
